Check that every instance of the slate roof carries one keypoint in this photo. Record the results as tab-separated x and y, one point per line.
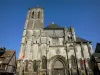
78	39
97	50
53	26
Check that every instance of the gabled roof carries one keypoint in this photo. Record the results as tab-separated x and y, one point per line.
78	39
5	58
53	26
97	50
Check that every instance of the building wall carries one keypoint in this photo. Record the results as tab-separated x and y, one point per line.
38	43
11	65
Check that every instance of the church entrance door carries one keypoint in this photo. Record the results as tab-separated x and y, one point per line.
58	68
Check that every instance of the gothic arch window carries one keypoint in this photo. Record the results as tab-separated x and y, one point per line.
33	14
73	61
44	62
25	65
39	63
30	66
35	66
39	14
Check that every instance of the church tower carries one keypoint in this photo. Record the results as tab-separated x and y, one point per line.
34	21
35	18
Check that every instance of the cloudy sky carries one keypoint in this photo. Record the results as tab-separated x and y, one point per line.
83	15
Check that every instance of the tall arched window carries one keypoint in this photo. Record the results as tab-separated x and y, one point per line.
33	14
44	62
73	61
35	66
30	66
39	14
25	65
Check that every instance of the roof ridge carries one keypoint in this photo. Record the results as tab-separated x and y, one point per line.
79	39
53	25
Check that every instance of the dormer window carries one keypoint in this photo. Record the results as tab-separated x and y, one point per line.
39	14
33	14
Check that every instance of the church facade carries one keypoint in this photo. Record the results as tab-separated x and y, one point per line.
52	50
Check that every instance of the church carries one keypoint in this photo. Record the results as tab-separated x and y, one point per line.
52	50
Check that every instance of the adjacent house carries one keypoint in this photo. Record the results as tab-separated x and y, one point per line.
7	62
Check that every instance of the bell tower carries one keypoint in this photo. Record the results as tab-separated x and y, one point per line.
35	18
34	21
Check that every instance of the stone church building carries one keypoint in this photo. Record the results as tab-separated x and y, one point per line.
52	50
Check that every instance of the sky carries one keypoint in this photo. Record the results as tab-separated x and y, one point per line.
83	15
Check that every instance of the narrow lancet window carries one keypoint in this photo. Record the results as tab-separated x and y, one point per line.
73	61
32	14
44	62
39	14
35	65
